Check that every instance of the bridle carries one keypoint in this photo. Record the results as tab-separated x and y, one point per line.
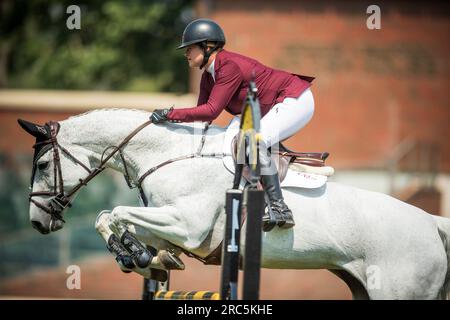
61	200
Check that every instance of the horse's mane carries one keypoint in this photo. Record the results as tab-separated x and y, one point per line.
136	112
108	110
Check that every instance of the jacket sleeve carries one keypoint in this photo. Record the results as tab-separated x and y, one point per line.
228	80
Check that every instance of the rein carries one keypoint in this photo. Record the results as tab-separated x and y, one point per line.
197	154
61	200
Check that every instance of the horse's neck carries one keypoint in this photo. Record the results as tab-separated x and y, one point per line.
92	133
95	131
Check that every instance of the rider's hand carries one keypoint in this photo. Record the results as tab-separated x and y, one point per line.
160	115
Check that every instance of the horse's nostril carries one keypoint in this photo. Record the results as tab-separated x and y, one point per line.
38	226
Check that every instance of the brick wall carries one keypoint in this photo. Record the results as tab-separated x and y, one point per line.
14	138
374	88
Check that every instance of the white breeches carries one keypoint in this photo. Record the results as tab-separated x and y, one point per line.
287	117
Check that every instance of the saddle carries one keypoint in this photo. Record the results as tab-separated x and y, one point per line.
283	157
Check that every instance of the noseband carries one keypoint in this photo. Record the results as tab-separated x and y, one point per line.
61	200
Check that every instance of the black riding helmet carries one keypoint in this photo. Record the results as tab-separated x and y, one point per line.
202	31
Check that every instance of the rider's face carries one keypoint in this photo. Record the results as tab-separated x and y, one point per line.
194	55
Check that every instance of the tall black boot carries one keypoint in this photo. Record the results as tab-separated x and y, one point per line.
271	184
272	188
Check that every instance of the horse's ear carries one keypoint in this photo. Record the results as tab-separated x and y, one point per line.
38	131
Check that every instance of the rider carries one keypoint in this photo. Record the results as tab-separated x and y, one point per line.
286	101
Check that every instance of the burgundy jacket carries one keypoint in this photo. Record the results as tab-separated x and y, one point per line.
233	73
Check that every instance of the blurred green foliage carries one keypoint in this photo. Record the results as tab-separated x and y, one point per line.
122	45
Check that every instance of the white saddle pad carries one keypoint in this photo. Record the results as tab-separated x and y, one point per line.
298	175
232	130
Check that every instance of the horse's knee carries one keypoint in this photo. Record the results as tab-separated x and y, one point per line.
102	224
118	220
117	214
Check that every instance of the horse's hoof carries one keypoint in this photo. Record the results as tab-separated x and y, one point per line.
158	275
170	261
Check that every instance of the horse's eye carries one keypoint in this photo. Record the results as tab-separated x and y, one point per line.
43	165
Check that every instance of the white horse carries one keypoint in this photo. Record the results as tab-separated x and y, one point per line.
381	247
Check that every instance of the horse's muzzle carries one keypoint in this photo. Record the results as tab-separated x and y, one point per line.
39	227
56	224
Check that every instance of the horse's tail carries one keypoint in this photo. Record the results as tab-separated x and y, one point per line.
443	225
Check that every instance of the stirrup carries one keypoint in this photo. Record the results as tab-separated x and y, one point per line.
287	223
287	219
270	218
268	222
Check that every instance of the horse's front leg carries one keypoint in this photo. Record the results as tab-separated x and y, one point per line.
122	237
157	226
160	227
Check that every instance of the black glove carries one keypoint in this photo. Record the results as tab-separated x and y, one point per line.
160	115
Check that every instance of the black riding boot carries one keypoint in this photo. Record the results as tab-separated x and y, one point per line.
272	187
271	184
